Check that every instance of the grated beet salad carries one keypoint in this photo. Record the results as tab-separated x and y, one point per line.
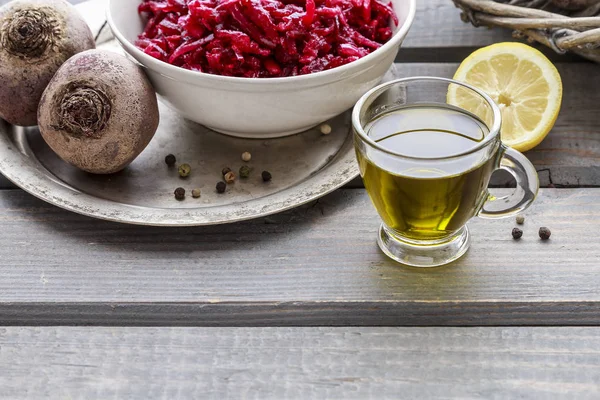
263	38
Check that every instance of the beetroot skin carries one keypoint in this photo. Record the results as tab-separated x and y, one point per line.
36	38
98	112
263	38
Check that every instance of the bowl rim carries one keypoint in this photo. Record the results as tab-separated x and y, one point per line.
335	73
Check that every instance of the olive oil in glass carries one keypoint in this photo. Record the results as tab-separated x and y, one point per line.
421	198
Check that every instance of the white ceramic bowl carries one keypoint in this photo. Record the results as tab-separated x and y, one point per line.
259	107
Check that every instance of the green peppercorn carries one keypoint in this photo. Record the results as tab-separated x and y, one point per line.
196	193
180	193
244	171
266	176
170	160
544	233
221	186
184	170
520	219
517	233
225	170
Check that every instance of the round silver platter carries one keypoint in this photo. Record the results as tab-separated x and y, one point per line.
304	167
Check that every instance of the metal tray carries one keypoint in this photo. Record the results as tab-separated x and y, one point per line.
305	167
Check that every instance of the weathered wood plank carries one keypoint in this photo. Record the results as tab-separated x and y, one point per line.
437	25
316	265
295	363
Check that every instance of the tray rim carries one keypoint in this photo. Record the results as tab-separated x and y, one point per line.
17	166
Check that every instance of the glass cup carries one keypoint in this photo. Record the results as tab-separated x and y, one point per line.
427	148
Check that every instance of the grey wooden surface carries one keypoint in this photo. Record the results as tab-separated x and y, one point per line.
316	265
296	363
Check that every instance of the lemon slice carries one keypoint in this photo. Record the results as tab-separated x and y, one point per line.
522	81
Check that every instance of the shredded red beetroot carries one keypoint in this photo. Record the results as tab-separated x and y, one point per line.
263	38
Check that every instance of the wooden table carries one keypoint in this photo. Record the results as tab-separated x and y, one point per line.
303	304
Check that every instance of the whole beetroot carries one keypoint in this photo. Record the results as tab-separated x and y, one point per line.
98	112
36	38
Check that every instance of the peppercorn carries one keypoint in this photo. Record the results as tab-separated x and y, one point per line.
170	160
517	233
196	193
544	233
266	176
225	170
246	156
229	177
184	170
244	171
520	219
325	129
221	186
180	193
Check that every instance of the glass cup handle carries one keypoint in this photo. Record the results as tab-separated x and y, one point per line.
527	187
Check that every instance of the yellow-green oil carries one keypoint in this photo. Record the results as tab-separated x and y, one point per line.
433	193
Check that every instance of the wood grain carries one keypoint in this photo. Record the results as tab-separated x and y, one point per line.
316	265
437	24
293	363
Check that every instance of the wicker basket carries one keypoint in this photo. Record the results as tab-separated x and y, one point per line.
562	25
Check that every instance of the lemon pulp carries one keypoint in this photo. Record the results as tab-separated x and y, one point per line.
522	81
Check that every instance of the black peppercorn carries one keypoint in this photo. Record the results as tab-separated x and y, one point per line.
517	233
225	171
221	186
170	160
180	193
266	176
544	233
